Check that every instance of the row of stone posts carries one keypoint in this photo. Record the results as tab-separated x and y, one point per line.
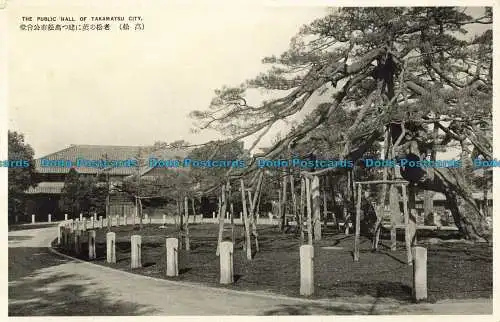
71	235
419	272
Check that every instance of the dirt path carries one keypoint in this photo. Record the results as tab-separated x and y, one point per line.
43	283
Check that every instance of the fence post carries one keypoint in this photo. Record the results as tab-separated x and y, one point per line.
419	273
135	242
306	270
226	262
110	247
172	256
91	235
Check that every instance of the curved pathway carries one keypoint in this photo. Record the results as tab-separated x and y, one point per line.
41	282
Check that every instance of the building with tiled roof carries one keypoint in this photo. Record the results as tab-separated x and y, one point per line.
120	162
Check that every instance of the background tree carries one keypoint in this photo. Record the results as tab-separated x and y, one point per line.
19	179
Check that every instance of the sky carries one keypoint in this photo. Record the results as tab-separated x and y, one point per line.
136	87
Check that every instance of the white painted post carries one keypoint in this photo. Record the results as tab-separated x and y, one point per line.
419	273
33	219
172	257
100	222
50	218
135	242
306	270
164	220
65	216
95	216
226	262
91	244
110	247
59	233
81	216
213	215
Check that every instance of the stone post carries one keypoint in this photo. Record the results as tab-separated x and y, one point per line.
33	219
81	216
110	248
50	218
100	222
65	216
226	262
164	220
306	270
91	244
59	233
78	240
419	273
172	257
135	242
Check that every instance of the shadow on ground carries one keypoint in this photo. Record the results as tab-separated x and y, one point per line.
37	289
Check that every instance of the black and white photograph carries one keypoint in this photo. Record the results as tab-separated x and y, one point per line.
256	159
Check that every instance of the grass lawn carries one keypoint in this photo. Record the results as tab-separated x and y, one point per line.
455	270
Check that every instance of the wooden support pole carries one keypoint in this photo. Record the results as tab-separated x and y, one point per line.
186	223
395	214
407	226
302	206
358	221
316	207
222	211
283	223
309	213
248	243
